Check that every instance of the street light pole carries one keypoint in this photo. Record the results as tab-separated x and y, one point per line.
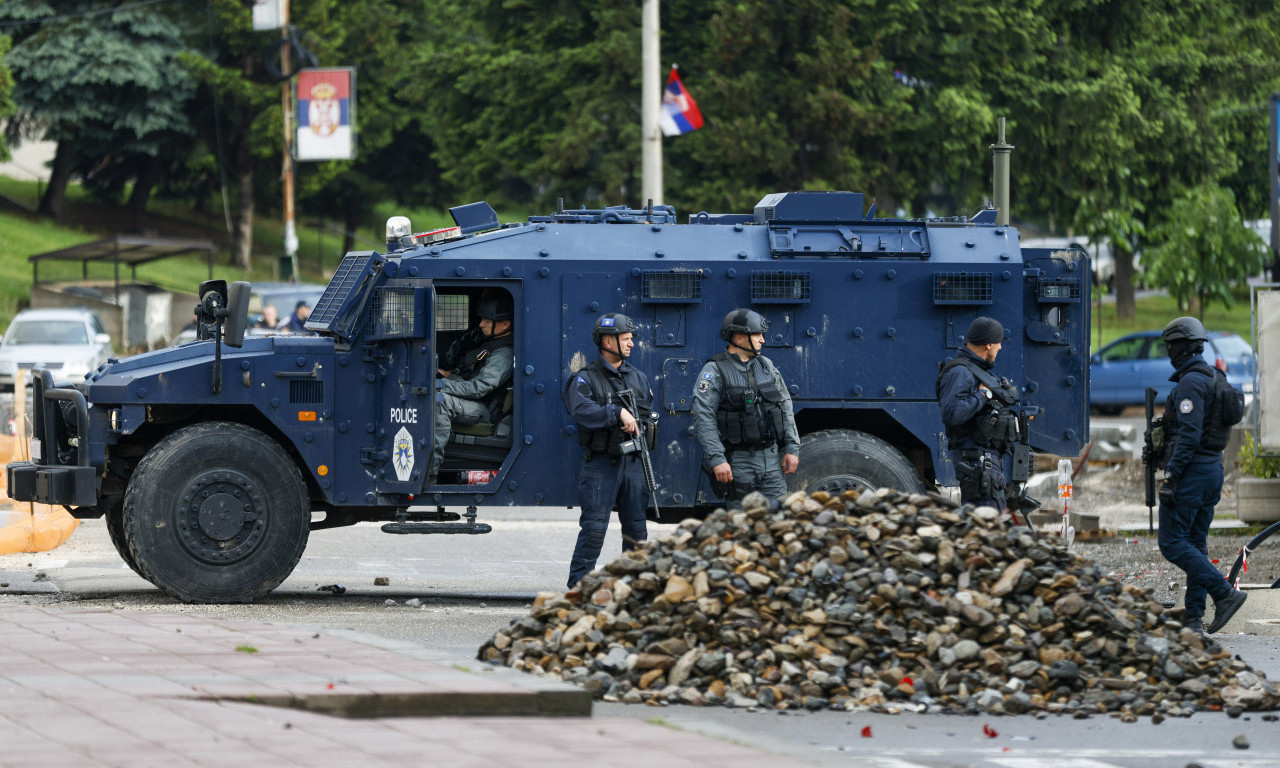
290	261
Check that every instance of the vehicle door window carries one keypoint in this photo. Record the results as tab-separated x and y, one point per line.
1126	349
1158	350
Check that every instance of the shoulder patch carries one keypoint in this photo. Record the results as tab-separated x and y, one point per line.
1185	406
707	375
581	380
703	386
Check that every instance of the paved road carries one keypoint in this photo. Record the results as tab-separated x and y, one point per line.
471	586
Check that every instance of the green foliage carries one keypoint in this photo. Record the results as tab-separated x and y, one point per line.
6	93
1265	467
1202	249
108	83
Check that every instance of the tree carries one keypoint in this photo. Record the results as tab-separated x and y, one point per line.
1203	249
6	92
70	62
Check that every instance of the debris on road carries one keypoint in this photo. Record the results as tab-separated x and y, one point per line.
875	601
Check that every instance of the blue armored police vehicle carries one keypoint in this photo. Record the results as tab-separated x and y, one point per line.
212	461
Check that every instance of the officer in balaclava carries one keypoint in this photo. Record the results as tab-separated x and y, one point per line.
1193	476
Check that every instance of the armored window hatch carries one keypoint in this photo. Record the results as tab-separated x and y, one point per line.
961	288
670	287
336	311
780	287
396	313
1062	290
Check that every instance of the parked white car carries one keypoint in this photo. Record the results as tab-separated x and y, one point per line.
69	342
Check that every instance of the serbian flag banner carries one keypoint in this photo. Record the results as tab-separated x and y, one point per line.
679	111
325	112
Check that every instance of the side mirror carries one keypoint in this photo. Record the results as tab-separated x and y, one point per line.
102	338
1096	358
237	314
213	299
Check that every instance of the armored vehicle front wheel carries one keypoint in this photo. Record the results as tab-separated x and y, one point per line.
216	513
114	518
838	460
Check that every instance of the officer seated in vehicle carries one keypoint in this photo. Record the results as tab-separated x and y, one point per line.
473	389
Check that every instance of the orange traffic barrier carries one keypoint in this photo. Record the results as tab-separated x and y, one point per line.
38	528
30	527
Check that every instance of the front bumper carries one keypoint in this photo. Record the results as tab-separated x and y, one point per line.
45	479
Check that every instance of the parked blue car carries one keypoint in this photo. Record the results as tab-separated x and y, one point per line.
1120	373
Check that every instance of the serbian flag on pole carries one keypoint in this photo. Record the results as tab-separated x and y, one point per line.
679	111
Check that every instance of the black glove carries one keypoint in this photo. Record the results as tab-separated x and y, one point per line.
1167	491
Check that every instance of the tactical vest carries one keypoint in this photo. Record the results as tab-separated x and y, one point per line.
1224	410
750	414
605	387
993	426
473	360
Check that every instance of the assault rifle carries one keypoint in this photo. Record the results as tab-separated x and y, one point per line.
1150	457
640	445
1021	471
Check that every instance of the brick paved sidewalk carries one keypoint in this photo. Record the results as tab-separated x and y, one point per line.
114	688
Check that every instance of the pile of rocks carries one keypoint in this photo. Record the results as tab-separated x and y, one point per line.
872	600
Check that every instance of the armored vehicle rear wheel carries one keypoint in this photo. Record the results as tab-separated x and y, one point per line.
838	460
216	513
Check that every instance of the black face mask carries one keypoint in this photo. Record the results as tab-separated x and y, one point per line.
1181	351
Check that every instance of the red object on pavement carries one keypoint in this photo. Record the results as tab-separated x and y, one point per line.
989	732
866	731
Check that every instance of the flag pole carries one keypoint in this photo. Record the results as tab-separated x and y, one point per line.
650	106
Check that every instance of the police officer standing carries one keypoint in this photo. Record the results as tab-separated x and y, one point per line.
481	372
742	413
976	411
1195	438
611	474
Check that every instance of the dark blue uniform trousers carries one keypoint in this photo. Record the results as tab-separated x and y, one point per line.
1184	534
603	484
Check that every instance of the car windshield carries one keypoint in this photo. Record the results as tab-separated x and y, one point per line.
1232	346
48	332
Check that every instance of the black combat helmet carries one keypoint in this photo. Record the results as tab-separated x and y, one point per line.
742	321
611	324
493	309
1184	329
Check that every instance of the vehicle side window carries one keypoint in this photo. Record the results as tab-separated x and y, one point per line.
98	327
1127	349
453	312
1158	350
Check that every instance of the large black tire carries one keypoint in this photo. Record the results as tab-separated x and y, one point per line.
216	513
114	518
837	460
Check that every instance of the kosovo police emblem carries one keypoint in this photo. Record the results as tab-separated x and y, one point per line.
1185	406
402	454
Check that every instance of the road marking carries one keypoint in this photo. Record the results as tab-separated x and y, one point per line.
1042	762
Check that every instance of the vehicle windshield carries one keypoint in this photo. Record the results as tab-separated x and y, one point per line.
48	332
1232	346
